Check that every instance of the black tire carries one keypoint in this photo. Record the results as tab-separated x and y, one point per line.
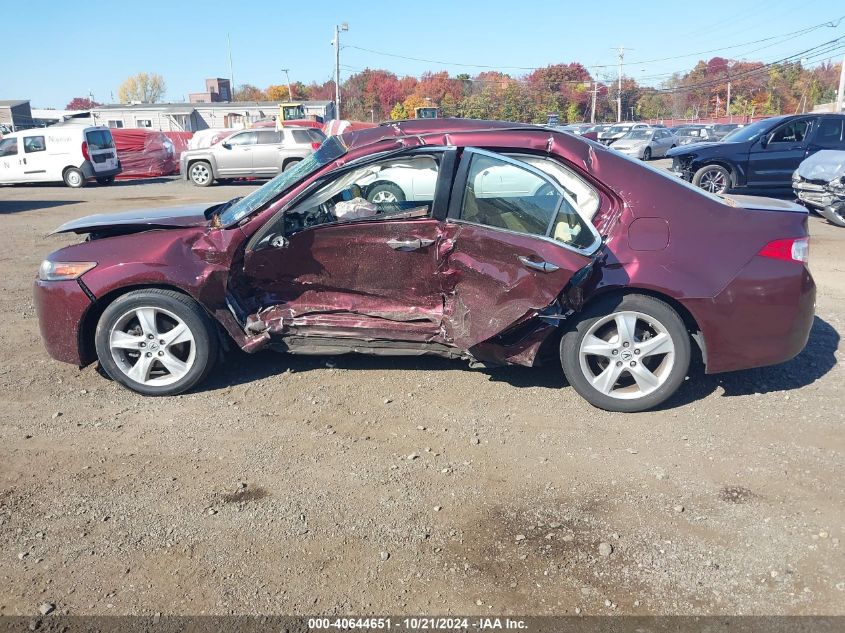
673	146
105	181
291	164
197	320
570	345
647	153
74	178
201	174
387	188
712	174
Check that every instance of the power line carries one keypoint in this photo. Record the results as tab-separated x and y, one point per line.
829	23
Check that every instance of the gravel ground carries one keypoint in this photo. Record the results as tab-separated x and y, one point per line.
353	485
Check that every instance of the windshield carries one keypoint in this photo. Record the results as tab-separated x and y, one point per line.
638	135
618	129
331	149
749	132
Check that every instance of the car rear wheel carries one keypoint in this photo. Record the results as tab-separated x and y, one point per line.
201	174
291	164
385	192
626	354
647	153
105	181
156	342
712	178
74	178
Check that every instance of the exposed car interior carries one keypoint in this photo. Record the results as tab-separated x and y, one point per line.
351	196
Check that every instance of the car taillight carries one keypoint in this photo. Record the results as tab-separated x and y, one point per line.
315	146
85	151
796	249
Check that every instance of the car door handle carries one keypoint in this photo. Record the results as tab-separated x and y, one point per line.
543	267
409	245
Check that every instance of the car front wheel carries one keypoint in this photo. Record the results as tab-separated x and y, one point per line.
647	153
626	354
712	178
156	342
201	174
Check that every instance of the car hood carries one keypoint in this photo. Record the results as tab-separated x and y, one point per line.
140	219
826	165
695	146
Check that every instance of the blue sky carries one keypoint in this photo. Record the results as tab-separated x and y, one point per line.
57	50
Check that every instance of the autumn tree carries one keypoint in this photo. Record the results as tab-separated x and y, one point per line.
143	87
278	92
81	103
248	92
398	112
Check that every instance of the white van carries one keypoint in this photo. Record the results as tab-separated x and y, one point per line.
69	154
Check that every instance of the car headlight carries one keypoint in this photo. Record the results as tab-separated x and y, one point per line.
63	271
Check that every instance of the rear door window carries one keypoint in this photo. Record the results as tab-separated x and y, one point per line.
268	137
32	144
829	133
99	139
302	137
504	195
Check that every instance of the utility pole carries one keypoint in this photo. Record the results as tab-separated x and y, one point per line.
593	106
621	51
290	92
840	94
337	29
728	105
231	74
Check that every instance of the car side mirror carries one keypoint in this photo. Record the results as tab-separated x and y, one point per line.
226	145
764	141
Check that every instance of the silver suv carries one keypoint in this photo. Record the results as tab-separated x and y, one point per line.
259	153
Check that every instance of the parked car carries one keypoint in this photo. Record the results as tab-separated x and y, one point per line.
258	153
762	154
819	182
72	154
615	132
576	270
689	134
721	130
646	143
575	128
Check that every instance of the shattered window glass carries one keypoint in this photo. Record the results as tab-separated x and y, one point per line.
503	195
400	187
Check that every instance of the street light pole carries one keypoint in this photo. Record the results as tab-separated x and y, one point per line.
840	94
337	29
290	92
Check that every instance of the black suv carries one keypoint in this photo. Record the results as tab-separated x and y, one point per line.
763	154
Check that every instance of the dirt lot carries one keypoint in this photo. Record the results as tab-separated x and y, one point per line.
353	485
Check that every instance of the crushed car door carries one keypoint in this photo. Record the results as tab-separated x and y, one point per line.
338	265
516	237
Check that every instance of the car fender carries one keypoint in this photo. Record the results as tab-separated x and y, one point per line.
189	158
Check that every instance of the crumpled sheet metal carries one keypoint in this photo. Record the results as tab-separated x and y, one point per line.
823	166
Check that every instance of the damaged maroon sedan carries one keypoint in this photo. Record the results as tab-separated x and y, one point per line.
493	242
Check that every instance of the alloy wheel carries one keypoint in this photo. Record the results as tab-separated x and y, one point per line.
152	346
383	197
200	174
714	181
627	355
